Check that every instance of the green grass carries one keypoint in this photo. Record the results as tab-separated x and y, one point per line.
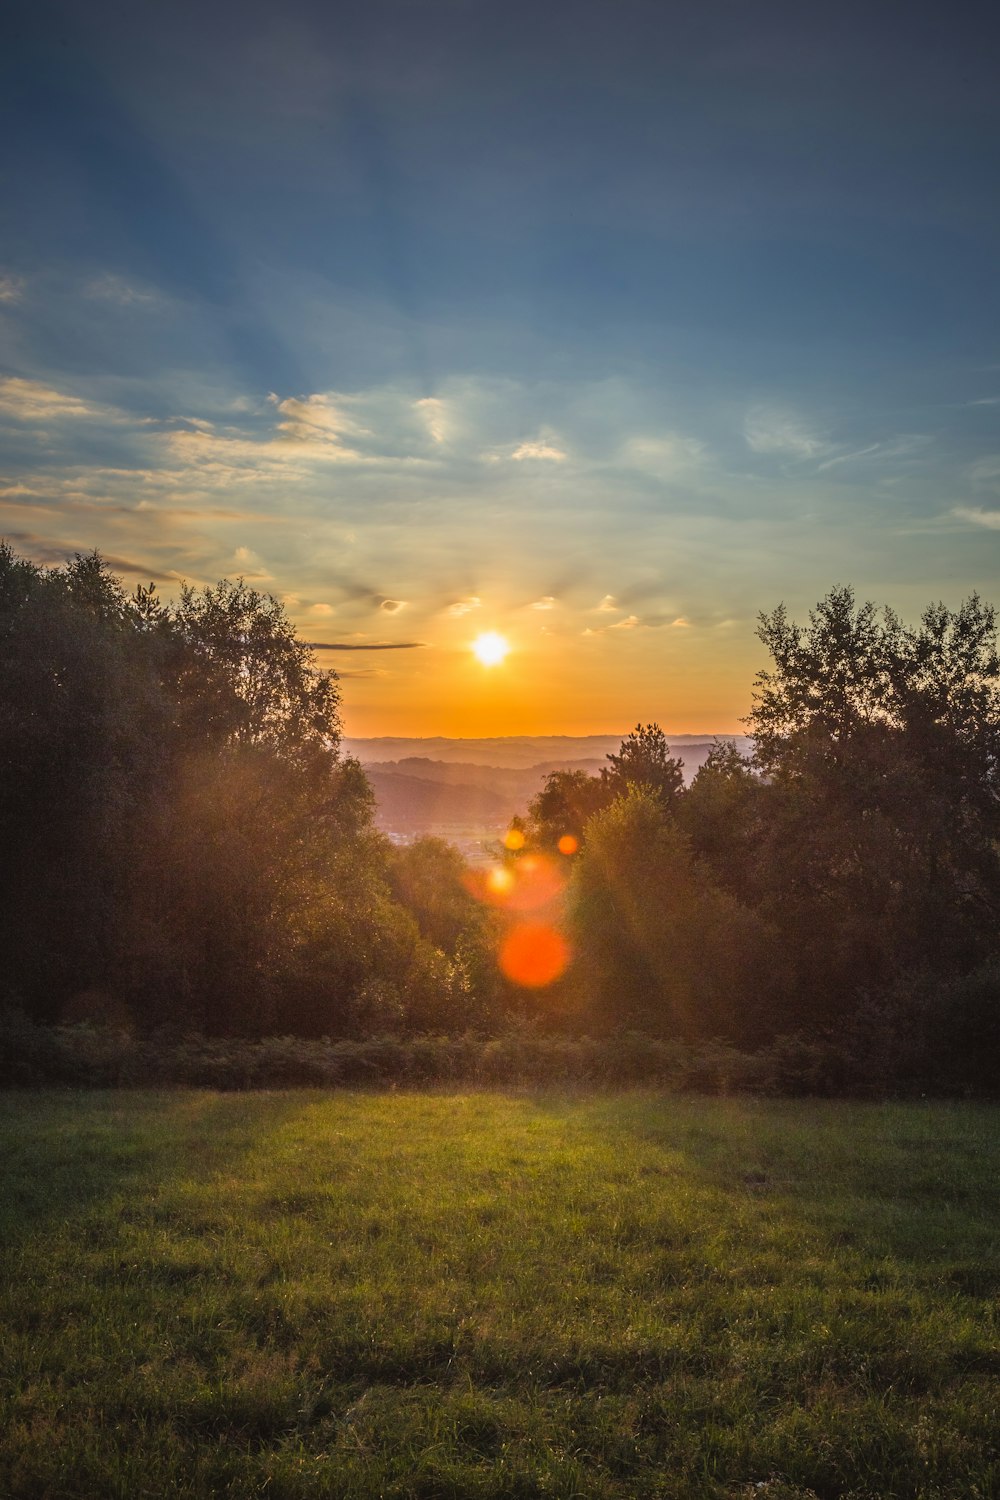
292	1295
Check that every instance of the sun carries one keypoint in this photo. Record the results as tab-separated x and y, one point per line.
490	648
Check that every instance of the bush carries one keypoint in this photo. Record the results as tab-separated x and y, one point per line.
948	1044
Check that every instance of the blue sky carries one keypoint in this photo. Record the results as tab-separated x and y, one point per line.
605	325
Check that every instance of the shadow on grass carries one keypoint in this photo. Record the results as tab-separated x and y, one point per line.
892	1184
64	1155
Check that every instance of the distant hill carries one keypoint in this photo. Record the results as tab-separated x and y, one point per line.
468	790
511	781
514	751
507	751
411	804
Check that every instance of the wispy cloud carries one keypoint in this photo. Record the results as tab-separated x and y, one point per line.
985	471
541	450
978	517
772	430
376	499
44	549
463	606
249	565
670	455
433	412
11	287
116	289
904	445
316	417
30	401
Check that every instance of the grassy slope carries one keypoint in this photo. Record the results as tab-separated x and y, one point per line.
303	1295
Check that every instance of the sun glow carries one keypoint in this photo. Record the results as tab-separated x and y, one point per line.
490	648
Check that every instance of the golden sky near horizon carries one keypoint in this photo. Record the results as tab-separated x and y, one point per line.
548	684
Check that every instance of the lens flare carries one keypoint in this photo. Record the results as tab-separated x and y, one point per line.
526	884
499	881
490	648
568	844
538	882
534	955
513	839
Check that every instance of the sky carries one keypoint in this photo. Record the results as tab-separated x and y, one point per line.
604	326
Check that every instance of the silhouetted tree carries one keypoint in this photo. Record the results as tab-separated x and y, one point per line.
83	724
721	812
180	831
879	824
658	945
644	760
565	804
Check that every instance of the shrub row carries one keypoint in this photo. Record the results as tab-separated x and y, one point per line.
89	1056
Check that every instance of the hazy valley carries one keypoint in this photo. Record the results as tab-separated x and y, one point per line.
467	790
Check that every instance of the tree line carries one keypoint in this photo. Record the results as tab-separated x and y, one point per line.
182	841
184	844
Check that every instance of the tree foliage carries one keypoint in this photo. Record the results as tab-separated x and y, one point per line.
879	818
180	828
660	946
569	799
644	760
564	806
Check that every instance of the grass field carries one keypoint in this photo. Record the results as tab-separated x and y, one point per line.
292	1295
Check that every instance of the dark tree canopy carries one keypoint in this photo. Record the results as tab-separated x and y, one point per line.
566	803
880	820
644	760
179	828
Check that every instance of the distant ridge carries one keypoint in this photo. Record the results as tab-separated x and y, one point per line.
515	752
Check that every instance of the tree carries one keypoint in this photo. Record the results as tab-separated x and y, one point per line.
83	723
880	747
244	677
720	814
566	803
657	944
831	680
176	818
428	877
644	760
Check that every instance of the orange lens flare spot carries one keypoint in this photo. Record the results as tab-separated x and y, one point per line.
513	839
499	881
568	844
527	884
538	881
534	955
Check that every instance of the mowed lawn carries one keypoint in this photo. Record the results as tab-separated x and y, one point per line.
466	1294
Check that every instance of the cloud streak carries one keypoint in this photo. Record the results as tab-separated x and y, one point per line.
31	401
540	450
365	645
